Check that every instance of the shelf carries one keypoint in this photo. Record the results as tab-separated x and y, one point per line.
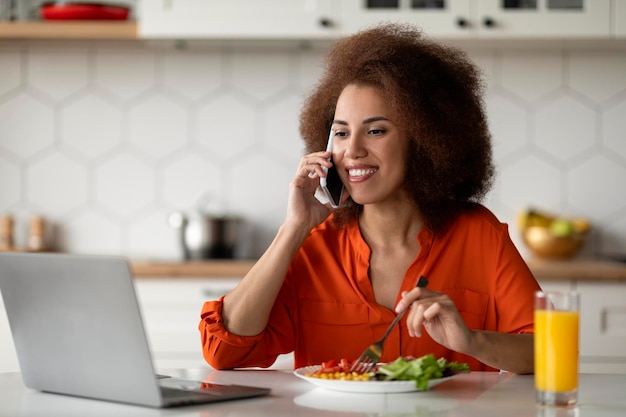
69	30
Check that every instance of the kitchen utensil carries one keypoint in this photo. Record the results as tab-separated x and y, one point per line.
83	11
206	236
6	232
36	238
371	355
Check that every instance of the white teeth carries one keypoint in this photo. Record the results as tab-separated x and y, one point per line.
360	172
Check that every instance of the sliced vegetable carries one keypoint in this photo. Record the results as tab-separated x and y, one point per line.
420	370
333	369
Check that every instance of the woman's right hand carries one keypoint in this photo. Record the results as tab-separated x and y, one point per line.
303	208
246	309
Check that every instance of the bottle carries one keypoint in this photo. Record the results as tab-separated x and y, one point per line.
36	238
6	233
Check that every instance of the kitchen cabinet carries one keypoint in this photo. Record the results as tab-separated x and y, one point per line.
566	19
486	19
8	357
270	19
327	19
171	313
602	327
619	19
444	18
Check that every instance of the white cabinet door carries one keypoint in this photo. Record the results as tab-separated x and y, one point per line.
327	19
619	18
438	18
171	313
602	326
558	19
489	19
8	357
234	19
557	285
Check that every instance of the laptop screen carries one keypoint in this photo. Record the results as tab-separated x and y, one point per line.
78	329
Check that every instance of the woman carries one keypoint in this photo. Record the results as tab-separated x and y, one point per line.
412	147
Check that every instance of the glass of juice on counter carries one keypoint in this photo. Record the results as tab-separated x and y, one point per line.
556	347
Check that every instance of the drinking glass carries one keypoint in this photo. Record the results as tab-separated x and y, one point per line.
556	347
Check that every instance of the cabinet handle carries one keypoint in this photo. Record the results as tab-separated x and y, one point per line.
326	22
461	22
489	22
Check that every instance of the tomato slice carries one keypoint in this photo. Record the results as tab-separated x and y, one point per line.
345	364
332	366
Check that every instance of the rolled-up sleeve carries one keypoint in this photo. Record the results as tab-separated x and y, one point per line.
220	348
225	350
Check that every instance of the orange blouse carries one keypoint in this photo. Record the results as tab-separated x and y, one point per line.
326	307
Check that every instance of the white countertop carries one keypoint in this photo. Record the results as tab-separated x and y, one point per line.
486	394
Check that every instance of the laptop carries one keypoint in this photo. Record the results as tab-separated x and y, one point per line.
78	330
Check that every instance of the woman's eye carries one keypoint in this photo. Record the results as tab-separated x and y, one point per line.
376	131
340	133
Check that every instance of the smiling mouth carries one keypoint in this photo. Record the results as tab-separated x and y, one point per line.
360	172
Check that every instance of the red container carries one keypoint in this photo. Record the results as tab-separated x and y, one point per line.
83	11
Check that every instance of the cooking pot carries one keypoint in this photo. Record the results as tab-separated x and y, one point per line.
206	236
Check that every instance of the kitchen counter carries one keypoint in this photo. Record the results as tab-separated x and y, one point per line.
578	270
227	268
544	270
486	394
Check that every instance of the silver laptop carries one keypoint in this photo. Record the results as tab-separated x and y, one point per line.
78	330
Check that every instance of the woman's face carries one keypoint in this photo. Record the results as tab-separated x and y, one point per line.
369	150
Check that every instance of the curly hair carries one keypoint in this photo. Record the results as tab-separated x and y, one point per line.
435	93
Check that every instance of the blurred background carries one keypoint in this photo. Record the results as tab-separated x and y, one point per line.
104	138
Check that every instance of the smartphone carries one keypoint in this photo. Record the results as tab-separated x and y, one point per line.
331	184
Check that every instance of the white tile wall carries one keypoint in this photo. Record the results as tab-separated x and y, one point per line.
106	139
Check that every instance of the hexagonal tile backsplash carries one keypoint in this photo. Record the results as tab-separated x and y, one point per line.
107	139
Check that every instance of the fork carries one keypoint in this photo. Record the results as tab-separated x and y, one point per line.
370	357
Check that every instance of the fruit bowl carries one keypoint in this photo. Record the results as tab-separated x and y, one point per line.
544	244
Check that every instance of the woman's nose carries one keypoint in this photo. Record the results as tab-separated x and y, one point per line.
354	147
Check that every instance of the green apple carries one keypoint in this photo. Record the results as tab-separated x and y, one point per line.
562	228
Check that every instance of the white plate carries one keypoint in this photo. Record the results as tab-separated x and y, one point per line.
362	386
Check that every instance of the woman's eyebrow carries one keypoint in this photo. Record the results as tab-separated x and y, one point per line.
368	120
374	119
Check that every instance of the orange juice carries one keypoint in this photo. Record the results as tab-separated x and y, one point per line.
556	350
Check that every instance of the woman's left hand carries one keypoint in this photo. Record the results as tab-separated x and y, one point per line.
438	314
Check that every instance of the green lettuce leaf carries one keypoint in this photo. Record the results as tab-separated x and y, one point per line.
420	370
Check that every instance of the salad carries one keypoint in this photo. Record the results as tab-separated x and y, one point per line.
420	370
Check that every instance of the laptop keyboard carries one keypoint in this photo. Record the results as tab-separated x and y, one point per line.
177	393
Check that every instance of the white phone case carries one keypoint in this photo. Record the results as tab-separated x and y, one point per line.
324	182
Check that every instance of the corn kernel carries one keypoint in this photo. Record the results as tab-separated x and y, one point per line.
342	376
